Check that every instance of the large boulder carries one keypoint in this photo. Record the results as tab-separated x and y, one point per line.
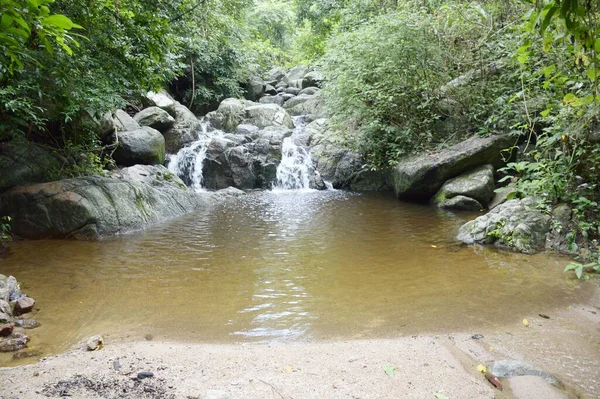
156	118
275	74
22	162
124	122
312	79
255	88
244	165
162	100
515	224
93	207
143	146
294	76
477	184
305	104
229	114
272	100
265	115
185	130
337	164
421	176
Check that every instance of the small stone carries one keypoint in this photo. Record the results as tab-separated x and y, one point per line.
6	329
145	374
27	324
15	342
477	336
95	343
24	305
5	307
5	318
36	374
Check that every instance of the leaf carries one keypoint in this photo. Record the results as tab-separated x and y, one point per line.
439	395
526	322
288	369
389	370
572	100
482	369
592	73
58	21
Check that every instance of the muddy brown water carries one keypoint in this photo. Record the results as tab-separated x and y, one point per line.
288	266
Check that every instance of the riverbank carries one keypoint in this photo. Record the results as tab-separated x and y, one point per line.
566	345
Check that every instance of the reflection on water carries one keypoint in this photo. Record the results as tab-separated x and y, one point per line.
283	266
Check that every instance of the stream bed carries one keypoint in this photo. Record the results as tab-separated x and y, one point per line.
283	266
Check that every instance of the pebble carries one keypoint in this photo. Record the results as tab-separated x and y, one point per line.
15	342
27	323
145	374
477	336
95	343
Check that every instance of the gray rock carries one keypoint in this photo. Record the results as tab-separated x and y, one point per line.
272	100
461	203
421	176
295	74
255	88
24	305
15	342
5	318
5	307
306	105
287	96
247	130
163	100
93	207
292	90
185	130
230	192
276	74
309	91
477	184
229	114
144	146
156	118
312	79
124	122
515	225
27	324
281	86
502	195
514	368
264	115
6	329
22	162
270	90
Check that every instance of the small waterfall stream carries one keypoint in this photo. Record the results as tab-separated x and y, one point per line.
295	171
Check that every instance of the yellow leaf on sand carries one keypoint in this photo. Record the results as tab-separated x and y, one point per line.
491	348
288	369
434	246
526	322
482	369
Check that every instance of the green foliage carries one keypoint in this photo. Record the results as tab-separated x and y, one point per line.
580	268
386	79
5	229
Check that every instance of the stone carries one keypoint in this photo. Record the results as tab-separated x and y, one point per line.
312	79
27	324
477	184
460	203
515	368
306	105
246	130
229	114
13	287
272	100
156	118
5	318
295	74
93	207
185	130
292	90
6	329
22	162
14	342
255	88
287	96
276	74
309	91
421	176
270	90
163	100
94	343
515	225
24	305
124	122
265	115
145	146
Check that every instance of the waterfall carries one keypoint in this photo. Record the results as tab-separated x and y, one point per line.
293	173
188	162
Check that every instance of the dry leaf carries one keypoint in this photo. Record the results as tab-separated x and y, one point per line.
526	322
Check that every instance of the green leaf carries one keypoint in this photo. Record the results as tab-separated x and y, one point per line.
579	271
592	73
58	21
572	100
389	370
548	17
439	395
6	21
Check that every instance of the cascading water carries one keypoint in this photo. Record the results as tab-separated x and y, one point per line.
293	173
188	162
